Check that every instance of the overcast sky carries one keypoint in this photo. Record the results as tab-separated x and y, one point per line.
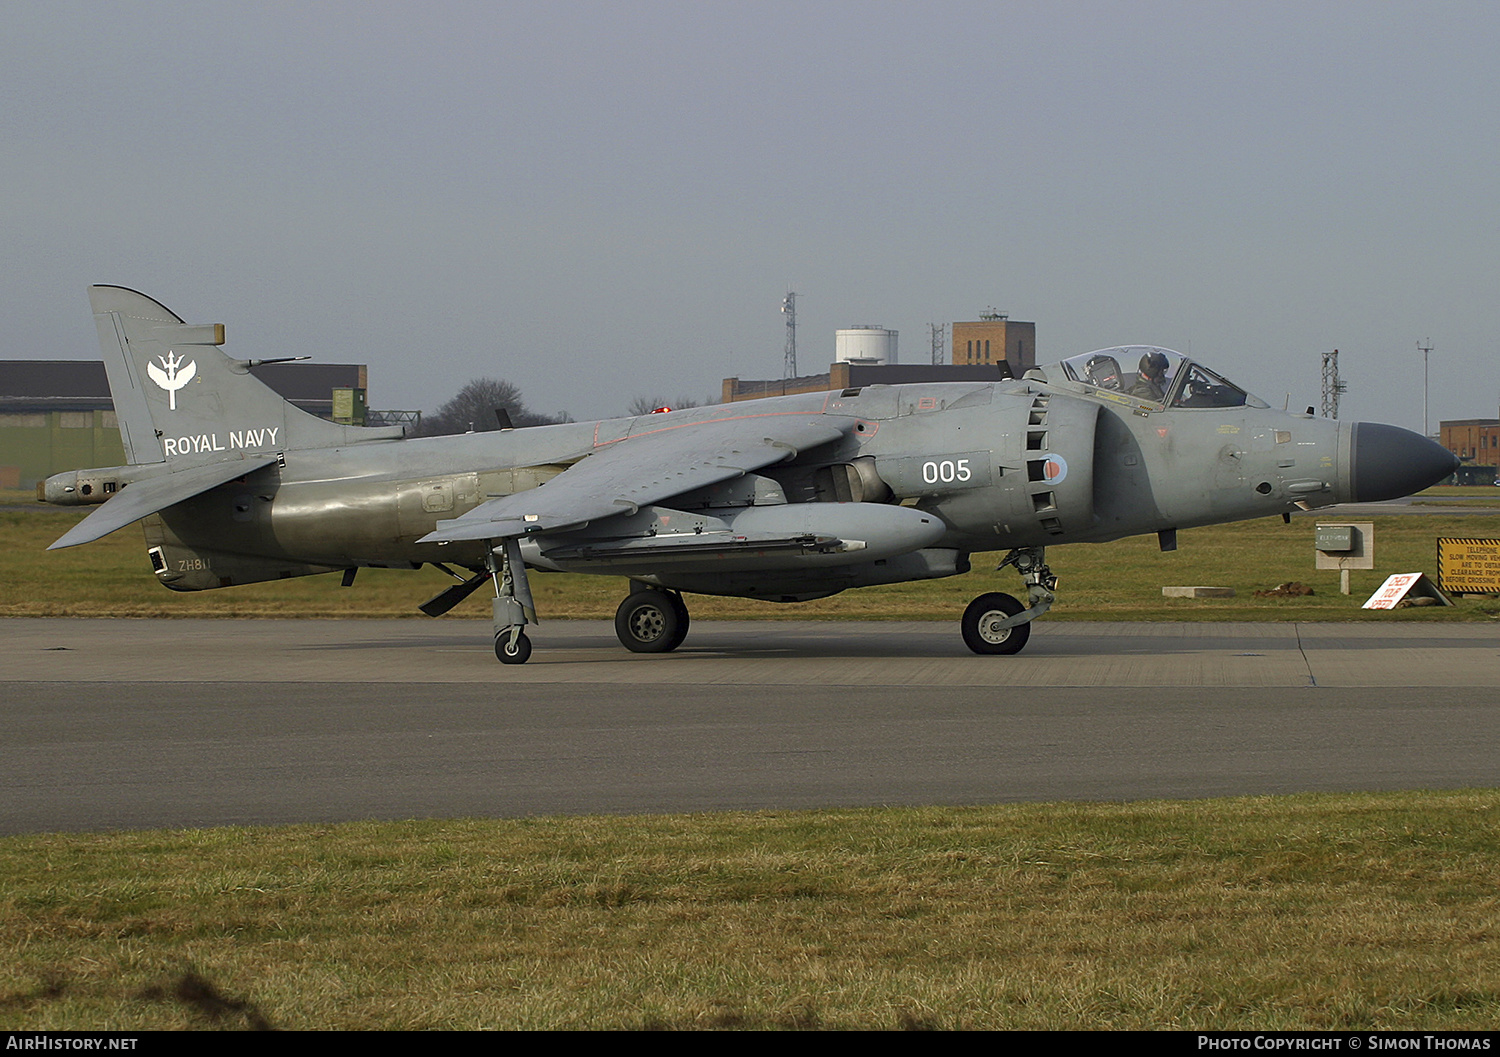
597	201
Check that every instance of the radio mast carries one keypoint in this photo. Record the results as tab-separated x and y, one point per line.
1424	350
1332	384
789	309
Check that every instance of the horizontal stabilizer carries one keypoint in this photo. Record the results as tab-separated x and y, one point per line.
141	498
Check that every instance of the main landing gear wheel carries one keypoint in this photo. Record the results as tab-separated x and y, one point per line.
980	633
516	651
651	622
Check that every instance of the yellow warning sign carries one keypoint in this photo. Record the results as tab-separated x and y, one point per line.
1468	565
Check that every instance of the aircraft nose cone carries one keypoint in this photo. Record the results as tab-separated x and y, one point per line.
1387	462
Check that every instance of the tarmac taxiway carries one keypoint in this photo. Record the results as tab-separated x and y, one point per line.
114	724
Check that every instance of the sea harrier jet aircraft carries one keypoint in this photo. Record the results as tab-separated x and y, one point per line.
783	499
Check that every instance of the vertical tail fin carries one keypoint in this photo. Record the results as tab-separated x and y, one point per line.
179	398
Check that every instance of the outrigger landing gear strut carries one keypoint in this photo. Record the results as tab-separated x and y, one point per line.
998	624
513	607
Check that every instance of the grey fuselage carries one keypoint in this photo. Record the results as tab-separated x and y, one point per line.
1024	463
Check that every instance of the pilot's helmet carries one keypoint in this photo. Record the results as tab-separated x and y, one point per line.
1154	365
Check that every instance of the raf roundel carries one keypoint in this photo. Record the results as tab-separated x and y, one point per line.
1055	469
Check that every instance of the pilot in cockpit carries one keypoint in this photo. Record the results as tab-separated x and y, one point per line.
1151	381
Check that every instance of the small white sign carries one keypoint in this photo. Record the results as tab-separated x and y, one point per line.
1399	586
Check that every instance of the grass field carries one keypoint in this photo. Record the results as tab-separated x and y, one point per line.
1337	912
1116	581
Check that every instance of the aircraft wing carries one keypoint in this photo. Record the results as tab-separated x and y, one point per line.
140	498
646	468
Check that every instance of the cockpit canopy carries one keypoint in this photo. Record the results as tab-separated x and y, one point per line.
1157	376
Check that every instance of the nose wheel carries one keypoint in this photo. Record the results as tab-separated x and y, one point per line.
999	624
986	629
651	621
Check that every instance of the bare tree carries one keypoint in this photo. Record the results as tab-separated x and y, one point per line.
475	407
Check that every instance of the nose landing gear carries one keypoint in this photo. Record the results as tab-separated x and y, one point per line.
996	623
987	628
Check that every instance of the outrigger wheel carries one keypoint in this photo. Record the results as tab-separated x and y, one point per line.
512	649
980	631
651	621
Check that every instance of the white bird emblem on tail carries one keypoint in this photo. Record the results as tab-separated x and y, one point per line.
174	377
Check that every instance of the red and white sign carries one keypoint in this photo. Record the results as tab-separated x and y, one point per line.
1394	589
